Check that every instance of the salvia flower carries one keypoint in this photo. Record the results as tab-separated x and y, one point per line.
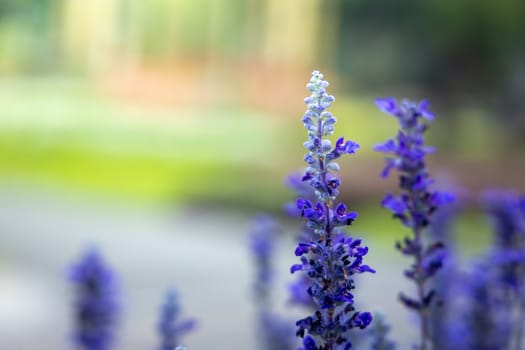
262	241
447	328
507	214
417	202
274	332
96	302
330	258
170	328
487	314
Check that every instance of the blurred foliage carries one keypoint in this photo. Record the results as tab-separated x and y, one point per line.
235	66
63	131
461	52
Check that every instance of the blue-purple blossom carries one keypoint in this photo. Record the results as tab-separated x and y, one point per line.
487	315
507	256
274	332
262	241
96	305
448	330
417	202
170	328
329	258
298	288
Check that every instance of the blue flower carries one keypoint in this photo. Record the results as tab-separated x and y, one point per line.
96	304
274	332
169	327
329	259
417	202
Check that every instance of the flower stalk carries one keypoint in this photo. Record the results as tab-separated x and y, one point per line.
330	258
415	204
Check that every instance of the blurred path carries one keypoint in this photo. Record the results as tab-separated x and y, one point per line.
201	252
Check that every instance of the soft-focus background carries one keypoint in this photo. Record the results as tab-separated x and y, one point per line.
156	129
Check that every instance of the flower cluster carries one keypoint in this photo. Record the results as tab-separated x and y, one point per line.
262	241
169	327
507	212
417	202
486	313
96	304
331	258
444	312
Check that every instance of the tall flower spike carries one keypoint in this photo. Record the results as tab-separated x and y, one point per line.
416	203
507	213
487	316
95	305
169	327
446	327
274	332
330	258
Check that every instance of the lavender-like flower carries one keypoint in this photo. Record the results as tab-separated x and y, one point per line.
169	327
262	241
446	324
331	258
274	332
416	203
96	303
507	213
487	315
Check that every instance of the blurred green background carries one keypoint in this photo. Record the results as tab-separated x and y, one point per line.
196	101
172	121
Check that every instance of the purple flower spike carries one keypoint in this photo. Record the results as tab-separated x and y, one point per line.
330	259
169	327
273	331
96	304
416	204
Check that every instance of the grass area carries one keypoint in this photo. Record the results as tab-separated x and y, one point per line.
63	131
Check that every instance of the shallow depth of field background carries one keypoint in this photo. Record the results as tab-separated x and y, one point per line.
156	129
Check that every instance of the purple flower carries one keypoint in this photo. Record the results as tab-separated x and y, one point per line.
273	331
486	312
417	202
507	255
330	259
388	105
508	220
96	304
170	328
262	241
